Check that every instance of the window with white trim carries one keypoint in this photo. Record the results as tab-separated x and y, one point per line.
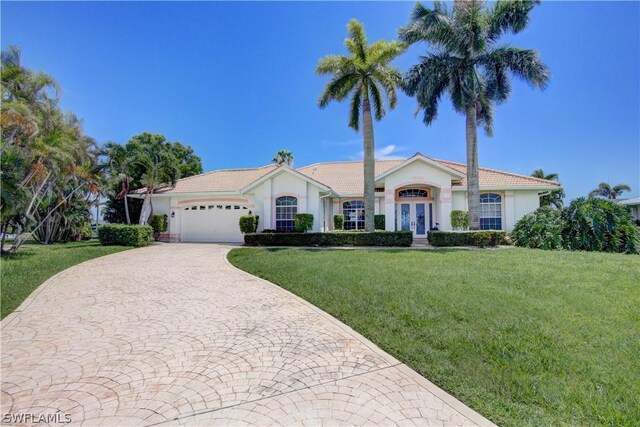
413	193
353	211
490	211
286	210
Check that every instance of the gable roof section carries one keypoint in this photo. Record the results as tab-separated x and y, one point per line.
284	169
420	157
345	177
223	181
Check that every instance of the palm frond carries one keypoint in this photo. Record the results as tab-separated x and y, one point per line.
434	26
338	89
508	16
524	63
357	40
376	99
354	114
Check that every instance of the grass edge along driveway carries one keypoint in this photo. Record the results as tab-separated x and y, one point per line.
23	272
525	337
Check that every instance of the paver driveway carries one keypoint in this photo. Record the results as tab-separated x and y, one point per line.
174	334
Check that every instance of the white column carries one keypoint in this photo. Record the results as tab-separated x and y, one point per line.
174	220
267	205
389	209
508	211
446	204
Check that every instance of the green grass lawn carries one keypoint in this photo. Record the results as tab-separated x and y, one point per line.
24	271
525	337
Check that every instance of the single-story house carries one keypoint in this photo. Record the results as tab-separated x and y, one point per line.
415	194
634	205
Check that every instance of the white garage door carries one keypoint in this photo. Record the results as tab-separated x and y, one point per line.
211	223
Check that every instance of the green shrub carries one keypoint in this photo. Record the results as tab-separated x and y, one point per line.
468	238
159	224
599	225
379	222
541	229
249	223
125	235
303	222
86	233
379	238
459	220
338	222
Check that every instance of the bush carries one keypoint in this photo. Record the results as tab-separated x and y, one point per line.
380	238
599	225
459	220
541	229
249	223
468	238
338	222
379	222
86	233
125	235
303	222
159	224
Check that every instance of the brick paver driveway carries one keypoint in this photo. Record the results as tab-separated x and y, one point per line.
174	334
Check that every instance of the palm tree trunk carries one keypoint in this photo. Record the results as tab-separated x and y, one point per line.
126	203
473	186
369	165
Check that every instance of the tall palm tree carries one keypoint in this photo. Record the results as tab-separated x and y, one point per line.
283	156
467	63
160	168
554	197
608	192
363	76
121	161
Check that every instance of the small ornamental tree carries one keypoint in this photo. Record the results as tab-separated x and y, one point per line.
159	224
248	224
459	220
541	229
303	222
338	222
379	221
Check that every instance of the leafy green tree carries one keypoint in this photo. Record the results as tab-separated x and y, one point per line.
283	157
363	76
554	198
608	192
120	163
467	63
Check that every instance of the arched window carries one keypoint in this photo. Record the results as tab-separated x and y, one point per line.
286	210
490	211
412	193
353	211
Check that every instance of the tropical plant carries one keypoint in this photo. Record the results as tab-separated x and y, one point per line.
363	76
159	224
608	192
459	219
599	225
540	229
553	198
120	162
283	157
467	63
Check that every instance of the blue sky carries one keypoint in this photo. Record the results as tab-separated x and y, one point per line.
236	81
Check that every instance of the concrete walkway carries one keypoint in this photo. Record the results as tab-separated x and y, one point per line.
173	334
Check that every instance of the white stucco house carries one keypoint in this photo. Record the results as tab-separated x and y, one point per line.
414	194
634	205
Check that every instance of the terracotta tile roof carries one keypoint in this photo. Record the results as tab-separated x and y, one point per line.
223	180
342	177
345	177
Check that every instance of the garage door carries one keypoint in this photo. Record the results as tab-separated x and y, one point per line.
211	223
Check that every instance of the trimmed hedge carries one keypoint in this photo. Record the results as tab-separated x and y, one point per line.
338	222
159	224
249	223
125	235
380	238
378	220
479	238
303	222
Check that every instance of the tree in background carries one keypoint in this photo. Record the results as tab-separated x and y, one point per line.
554	198
467	64
363	76
146	160
283	157
606	191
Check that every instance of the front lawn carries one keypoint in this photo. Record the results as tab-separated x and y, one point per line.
525	337
24	271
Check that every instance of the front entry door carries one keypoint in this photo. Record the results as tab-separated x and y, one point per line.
413	216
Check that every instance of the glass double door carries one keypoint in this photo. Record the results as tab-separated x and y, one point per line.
413	216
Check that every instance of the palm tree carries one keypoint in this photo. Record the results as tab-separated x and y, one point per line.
283	156
608	192
467	64
160	168
554	197
362	76
121	161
